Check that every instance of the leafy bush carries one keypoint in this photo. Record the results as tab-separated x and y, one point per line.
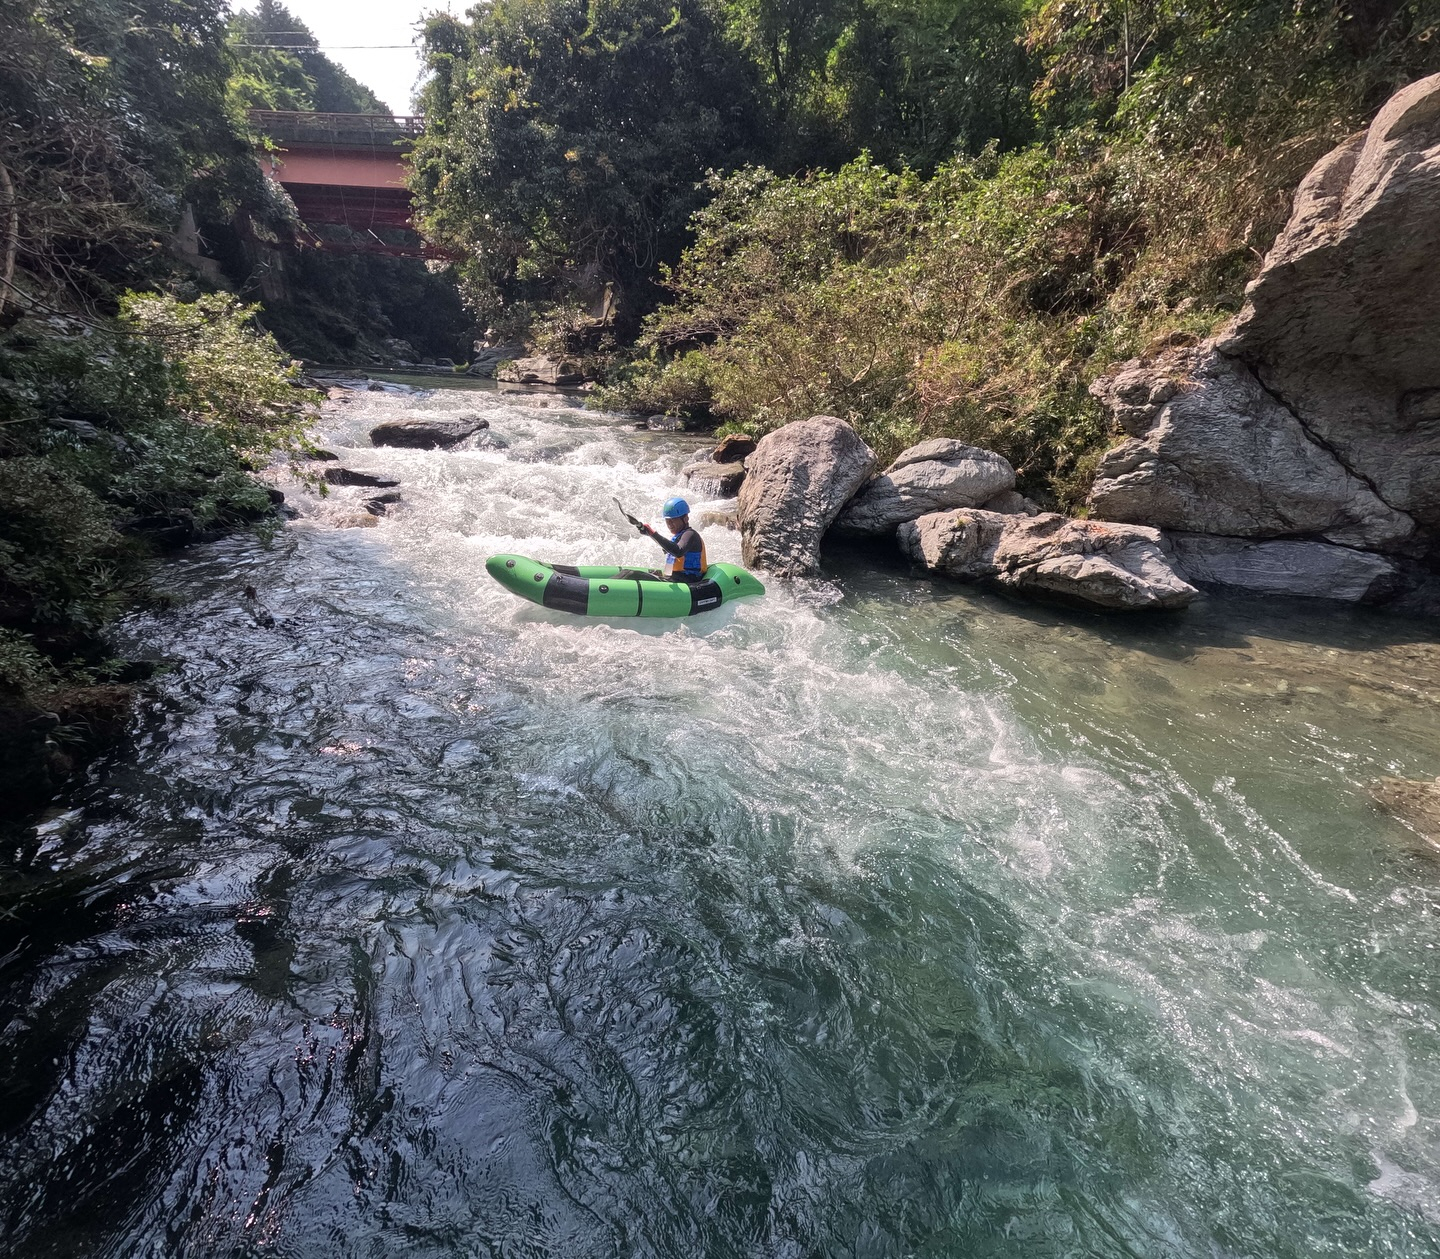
224	374
155	418
973	304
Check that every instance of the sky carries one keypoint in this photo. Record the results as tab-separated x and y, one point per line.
391	73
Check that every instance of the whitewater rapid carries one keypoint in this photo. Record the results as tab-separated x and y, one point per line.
873	917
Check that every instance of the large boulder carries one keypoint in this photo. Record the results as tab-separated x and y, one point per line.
541	371
428	433
1316	415
1210	450
929	477
1341	321
796	482
1302	570
1078	562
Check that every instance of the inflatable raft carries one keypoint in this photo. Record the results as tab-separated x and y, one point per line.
595	590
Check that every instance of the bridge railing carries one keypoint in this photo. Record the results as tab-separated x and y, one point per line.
376	131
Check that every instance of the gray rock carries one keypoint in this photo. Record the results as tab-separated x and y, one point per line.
489	357
380	504
796	482
541	371
1085	563
1212	451
1010	503
1304	570
1341	320
663	424
401	349
85	431
733	449
714	480
1317	413
932	476
426	433
348	476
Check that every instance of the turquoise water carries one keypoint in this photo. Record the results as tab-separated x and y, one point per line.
874	918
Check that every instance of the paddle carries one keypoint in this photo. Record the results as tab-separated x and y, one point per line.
639	524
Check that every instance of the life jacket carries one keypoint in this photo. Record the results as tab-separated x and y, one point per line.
688	567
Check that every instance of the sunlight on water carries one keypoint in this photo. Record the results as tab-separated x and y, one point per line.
871	918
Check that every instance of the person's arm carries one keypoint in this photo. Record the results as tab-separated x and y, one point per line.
677	549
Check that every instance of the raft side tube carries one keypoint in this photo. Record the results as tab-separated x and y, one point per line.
607	590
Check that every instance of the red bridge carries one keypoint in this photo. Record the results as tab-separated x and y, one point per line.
346	170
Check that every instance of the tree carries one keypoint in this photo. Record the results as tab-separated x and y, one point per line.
565	140
279	65
112	116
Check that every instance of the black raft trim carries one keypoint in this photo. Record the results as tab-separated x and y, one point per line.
566	593
704	596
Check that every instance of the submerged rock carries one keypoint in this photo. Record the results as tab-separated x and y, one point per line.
426	433
380	504
1050	557
1416	804
1305	570
714	480
930	477
348	476
796	483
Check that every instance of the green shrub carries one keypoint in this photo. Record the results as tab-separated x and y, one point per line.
156	418
24	670
978	303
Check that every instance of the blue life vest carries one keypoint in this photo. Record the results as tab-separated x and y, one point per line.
691	564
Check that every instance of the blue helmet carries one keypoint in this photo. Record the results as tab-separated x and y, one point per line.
675	508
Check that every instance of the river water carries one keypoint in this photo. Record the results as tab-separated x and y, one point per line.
873	918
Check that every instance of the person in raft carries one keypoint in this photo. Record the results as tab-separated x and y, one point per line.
684	548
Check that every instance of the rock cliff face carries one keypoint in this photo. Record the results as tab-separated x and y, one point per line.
1212	451
1316	415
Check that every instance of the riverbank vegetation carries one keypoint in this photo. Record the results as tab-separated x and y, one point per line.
134	403
928	221
122	438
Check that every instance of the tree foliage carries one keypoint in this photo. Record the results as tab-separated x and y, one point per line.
564	140
112	116
289	71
